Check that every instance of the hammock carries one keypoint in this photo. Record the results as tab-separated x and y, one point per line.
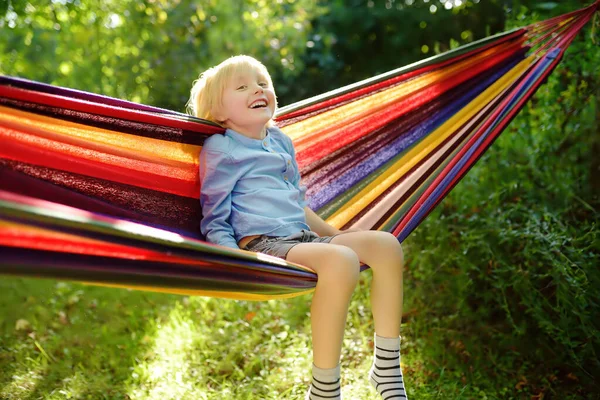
104	191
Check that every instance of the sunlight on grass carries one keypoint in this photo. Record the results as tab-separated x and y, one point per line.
168	360
74	387
224	349
22	384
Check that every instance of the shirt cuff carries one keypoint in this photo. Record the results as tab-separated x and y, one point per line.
230	243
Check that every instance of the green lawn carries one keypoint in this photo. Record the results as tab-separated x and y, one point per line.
71	341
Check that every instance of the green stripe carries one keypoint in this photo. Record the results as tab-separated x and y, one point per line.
410	202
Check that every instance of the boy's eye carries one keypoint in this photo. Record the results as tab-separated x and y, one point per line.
242	87
263	84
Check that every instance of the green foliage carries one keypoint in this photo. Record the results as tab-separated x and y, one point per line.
148	51
151	51
359	39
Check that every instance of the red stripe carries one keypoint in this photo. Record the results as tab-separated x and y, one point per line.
39	240
349	133
517	107
485	144
491	138
552	21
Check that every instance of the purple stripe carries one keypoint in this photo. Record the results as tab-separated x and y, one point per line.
157	209
79	94
110	269
132	240
144	129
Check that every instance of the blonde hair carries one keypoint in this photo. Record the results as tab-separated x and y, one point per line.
207	91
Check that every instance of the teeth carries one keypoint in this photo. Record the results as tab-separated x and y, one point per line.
259	104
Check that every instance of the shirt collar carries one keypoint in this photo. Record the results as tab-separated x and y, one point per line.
249	142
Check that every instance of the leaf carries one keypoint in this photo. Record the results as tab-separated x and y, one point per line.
62	318
22	325
572	377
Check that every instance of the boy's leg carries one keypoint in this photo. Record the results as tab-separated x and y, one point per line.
338	270
383	253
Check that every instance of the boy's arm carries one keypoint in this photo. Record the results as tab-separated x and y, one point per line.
217	178
321	227
317	224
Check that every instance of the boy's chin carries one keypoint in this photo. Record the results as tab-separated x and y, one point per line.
264	118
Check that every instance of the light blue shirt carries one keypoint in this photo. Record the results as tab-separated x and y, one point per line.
250	187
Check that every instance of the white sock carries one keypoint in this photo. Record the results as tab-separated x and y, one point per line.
386	374
325	384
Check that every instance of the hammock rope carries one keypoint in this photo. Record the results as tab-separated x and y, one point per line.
105	191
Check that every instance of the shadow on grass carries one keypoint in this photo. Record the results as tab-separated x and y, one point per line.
73	339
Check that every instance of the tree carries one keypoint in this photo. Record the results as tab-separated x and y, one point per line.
148	51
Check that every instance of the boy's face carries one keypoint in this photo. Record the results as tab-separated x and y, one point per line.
248	101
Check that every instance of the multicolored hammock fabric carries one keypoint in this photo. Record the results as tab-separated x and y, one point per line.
104	191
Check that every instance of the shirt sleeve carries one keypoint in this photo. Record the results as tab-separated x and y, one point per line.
217	180
296	180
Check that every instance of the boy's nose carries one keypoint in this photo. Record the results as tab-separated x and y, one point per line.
258	89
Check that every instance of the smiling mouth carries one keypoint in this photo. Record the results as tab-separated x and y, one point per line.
258	104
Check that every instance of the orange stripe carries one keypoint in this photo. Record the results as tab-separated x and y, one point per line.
28	148
103	140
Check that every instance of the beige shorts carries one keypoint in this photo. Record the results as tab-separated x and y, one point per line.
279	246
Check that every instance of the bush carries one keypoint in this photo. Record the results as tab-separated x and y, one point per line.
511	255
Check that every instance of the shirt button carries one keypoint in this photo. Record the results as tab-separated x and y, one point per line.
285	178
265	142
289	162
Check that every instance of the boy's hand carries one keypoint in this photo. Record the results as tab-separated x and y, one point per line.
322	228
352	230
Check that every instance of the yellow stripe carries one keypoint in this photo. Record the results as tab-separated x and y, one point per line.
423	149
460	138
106	141
23	228
208	293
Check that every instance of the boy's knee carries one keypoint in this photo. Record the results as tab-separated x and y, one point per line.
389	242
342	265
385	245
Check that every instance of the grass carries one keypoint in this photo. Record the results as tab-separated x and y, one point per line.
70	341
66	340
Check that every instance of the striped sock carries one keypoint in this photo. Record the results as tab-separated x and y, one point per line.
386	375
325	384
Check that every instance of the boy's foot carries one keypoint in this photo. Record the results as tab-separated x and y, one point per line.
386	374
325	384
